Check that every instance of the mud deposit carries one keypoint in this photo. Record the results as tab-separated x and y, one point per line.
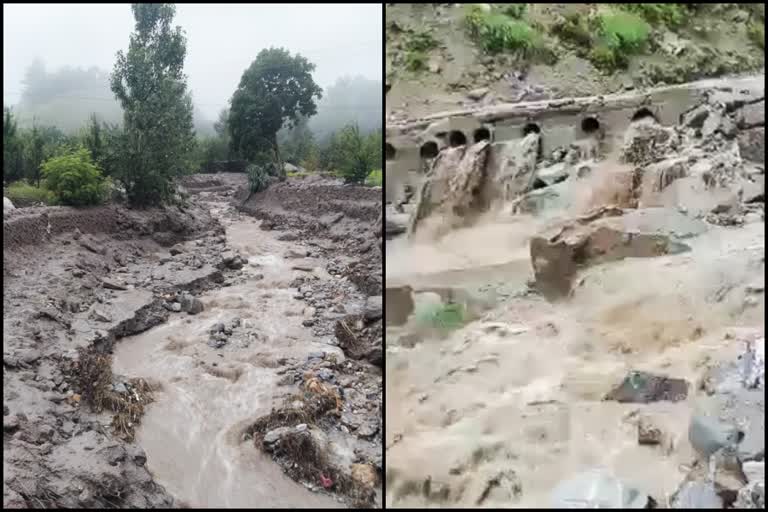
617	305
209	320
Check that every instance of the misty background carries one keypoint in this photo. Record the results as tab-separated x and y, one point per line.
57	59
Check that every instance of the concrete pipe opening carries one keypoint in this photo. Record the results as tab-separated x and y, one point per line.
456	139
590	125
428	150
531	128
643	113
389	151
482	134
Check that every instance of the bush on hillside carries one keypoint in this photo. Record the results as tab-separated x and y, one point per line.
75	179
258	178
22	193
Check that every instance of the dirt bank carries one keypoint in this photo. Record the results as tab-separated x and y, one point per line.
80	284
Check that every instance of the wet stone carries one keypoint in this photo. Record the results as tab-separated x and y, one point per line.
642	387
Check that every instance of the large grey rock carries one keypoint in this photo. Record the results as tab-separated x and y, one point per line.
607	234
190	304
752	115
752	144
7	205
373	307
643	387
693	495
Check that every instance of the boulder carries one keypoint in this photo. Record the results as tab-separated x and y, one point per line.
399	304
752	144
643	387
607	234
373	307
190	304
477	94
751	115
7	205
647	141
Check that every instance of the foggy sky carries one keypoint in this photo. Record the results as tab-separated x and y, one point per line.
222	41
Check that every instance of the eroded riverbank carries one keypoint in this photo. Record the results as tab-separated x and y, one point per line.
216	360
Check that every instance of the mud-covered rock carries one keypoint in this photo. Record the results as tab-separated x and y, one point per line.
190	304
643	387
606	235
399	304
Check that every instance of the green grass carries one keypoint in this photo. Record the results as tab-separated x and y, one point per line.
441	316
497	32
25	193
374	179
297	174
621	34
672	15
417	47
574	29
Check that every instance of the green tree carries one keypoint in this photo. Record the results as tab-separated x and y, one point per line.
35	151
74	178
356	154
276	89
93	139
149	83
12	156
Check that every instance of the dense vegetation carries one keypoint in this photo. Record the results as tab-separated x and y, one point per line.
138	156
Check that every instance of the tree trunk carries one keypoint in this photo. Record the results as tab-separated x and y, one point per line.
280	167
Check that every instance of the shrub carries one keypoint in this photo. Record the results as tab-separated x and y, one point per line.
374	179
74	178
621	35
573	29
357	154
415	61
258	178
22	193
516	11
670	14
496	32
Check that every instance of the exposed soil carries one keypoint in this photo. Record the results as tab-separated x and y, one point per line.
127	332
713	41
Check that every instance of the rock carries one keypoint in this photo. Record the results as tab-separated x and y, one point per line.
176	249
695	118
647	432
553	174
745	409
752	144
301	427
751	115
7	205
273	436
112	284
364	474
708	435
308	322
597	489
606	234
10	424
175	307
190	304
296	253
643	387
718	121
232	260
477	94
646	141
119	387
91	246
373	307
751	496
101	316
399	303
696	495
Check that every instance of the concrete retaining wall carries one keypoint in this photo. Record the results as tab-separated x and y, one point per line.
411	146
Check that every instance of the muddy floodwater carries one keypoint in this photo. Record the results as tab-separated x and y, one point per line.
193	432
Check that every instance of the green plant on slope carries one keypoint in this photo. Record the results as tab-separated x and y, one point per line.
75	179
621	34
258	178
672	15
756	33
496	32
22	193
